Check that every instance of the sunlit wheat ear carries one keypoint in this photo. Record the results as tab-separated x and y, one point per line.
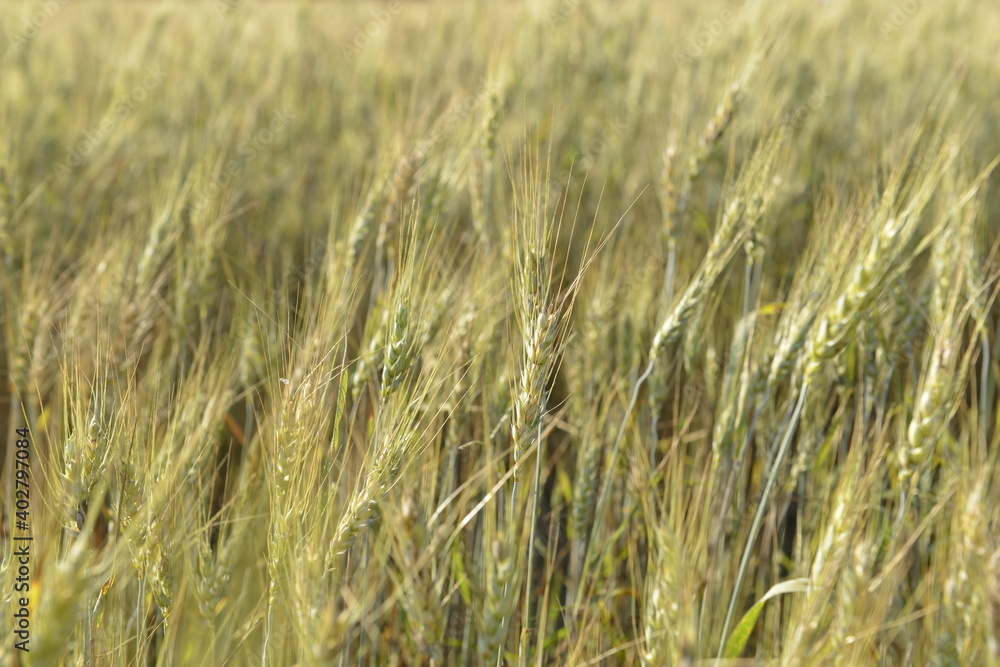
499	603
789	347
740	215
363	507
668	633
889	251
481	174
830	558
61	602
693	345
198	262
416	577
673	325
357	517
402	181
476	186
397	437
398	351
219	554
736	381
371	358
966	596
212	571
459	418
931	410
288	441
944	270
362	227
24	329
851	594
716	127
491	122
865	283
538	316
164	230
742	212
946	368
529	403
707	143
160	571
585	486
129	504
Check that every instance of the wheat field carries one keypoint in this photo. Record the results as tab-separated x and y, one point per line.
547	332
